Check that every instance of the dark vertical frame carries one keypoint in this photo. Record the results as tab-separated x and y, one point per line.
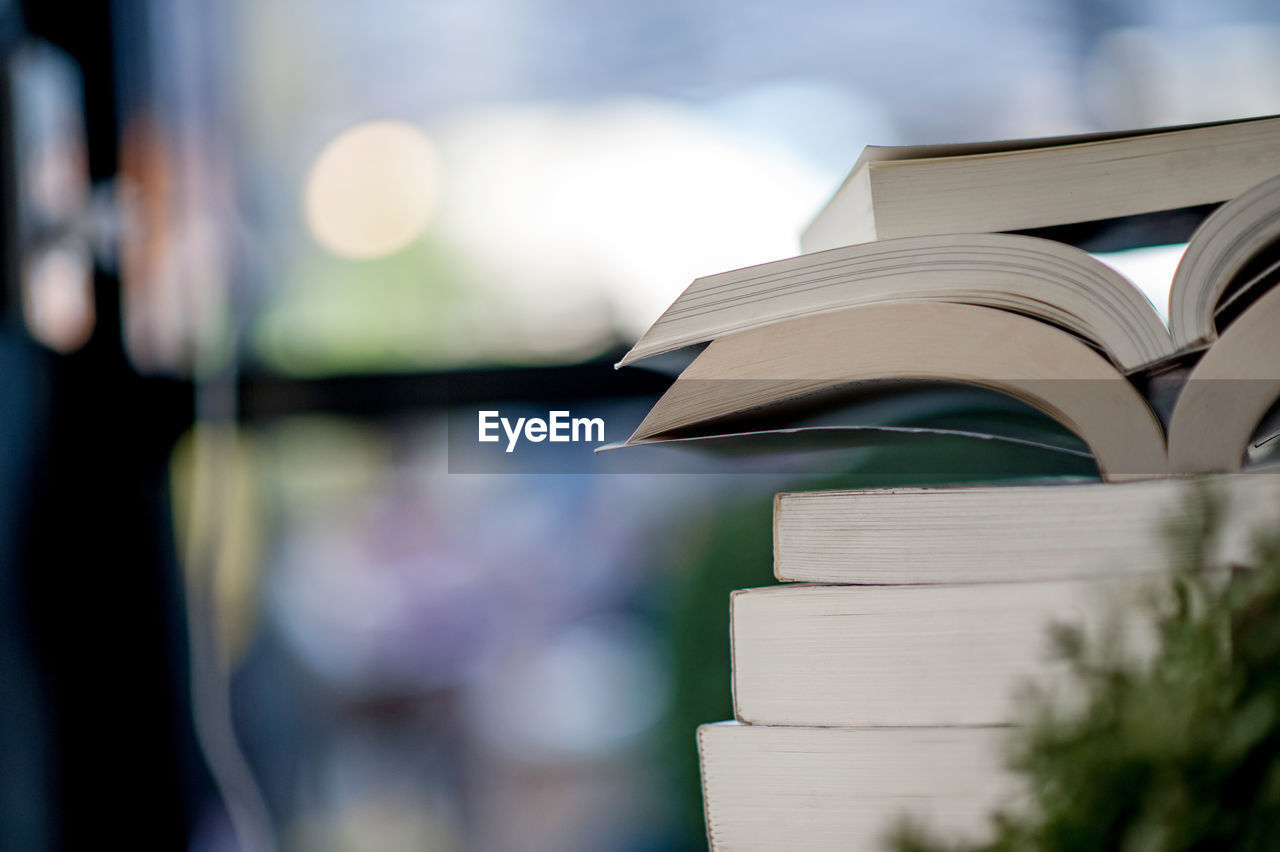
100	585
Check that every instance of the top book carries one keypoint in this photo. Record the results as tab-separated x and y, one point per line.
1027	184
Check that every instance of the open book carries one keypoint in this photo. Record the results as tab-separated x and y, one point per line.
1069	336
1227	264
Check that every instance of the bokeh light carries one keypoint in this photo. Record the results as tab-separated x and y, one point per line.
372	190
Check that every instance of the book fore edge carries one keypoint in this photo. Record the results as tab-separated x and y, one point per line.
703	768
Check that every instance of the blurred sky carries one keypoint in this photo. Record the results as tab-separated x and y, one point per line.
578	163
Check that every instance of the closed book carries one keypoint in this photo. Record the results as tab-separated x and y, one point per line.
790	788
912	655
1010	533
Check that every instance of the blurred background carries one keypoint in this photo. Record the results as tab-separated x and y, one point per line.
255	253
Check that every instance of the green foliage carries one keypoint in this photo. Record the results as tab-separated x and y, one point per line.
1178	749
728	549
410	310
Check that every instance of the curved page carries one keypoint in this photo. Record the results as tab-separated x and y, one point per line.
1220	249
1053	282
1228	393
1047	368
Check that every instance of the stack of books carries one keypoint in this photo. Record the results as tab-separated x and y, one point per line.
879	688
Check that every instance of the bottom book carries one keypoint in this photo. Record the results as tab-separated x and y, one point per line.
775	788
